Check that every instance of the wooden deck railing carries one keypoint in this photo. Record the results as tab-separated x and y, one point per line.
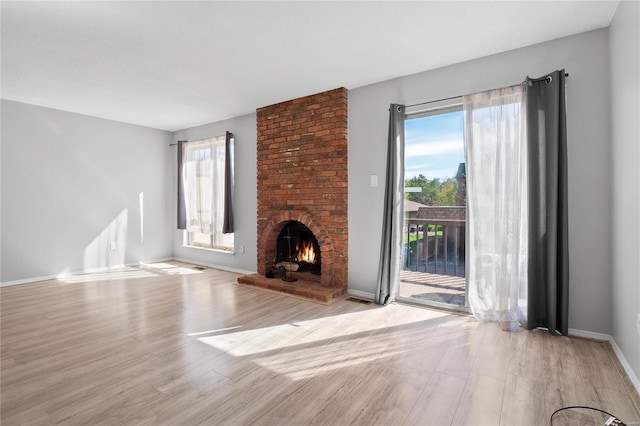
435	246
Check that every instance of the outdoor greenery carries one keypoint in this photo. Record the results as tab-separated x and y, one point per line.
413	237
435	192
417	236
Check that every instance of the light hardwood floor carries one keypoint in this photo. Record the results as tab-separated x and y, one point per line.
171	345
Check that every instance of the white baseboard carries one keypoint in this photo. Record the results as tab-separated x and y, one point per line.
590	335
362	294
210	265
109	268
28	280
625	365
616	349
81	272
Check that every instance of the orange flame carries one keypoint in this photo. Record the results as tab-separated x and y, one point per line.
306	252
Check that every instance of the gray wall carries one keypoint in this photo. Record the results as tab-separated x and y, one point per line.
586	58
71	185
624	39
245	208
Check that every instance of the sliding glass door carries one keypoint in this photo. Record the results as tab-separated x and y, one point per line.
433	268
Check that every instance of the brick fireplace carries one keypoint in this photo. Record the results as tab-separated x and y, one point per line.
303	177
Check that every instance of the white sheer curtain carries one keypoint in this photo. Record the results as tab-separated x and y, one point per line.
203	175
497	204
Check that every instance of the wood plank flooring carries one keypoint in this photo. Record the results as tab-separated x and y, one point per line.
168	344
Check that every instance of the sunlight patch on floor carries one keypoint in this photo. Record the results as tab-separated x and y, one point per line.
303	349
118	274
220	330
299	364
130	272
170	269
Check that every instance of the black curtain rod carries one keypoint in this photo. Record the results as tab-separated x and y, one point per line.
533	80
433	102
546	78
219	136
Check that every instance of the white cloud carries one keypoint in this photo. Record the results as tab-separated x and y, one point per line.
427	148
433	159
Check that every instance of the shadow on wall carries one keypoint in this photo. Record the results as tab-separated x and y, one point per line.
109	247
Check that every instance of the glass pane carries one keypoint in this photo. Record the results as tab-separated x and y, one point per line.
199	240
433	261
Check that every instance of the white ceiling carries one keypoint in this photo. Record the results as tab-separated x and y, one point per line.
175	64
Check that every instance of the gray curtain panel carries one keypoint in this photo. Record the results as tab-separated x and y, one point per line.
391	245
227	221
548	281
182	211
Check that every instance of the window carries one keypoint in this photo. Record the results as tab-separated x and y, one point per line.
204	182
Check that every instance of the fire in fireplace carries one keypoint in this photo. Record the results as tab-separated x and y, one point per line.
298	246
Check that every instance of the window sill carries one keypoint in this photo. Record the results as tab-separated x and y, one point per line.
231	252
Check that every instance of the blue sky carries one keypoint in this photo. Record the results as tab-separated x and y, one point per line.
434	145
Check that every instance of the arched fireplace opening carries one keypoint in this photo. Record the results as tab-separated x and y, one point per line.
297	249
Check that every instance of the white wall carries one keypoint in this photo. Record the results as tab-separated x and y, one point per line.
245	200
71	185
624	39
585	57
